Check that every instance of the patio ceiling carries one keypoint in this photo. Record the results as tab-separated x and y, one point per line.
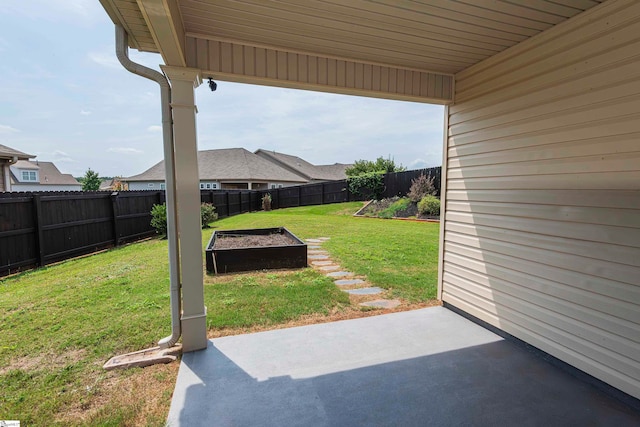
390	48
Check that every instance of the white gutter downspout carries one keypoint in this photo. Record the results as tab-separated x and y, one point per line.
122	52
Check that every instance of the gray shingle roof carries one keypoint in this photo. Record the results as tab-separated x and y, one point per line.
47	172
310	171
228	164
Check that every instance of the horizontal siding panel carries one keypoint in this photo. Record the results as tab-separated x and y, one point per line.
511	309
604	251
593	309
603	130
602	111
628	237
598	93
597	216
622	291
569	81
560	350
568	317
623	199
262	65
628	162
598	268
627	143
575	181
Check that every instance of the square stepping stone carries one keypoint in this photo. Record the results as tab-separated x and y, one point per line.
313	240
381	303
340	274
329	268
318	257
364	291
317	252
348	282
314	247
322	262
324	239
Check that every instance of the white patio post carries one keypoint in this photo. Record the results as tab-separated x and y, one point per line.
193	320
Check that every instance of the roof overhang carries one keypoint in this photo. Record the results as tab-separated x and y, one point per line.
389	48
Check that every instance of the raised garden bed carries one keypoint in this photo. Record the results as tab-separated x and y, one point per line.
232	251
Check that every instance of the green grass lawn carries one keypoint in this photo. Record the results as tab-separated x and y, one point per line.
61	323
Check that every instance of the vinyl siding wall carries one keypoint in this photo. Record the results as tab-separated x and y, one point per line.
542	225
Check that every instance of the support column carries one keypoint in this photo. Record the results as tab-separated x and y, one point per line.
187	183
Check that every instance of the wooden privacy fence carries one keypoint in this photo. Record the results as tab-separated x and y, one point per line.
37	229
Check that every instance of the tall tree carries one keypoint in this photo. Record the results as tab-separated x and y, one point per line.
381	165
91	181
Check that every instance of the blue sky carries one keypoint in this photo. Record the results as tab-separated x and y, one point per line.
65	98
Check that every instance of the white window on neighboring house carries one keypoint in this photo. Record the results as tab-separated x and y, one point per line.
163	186
201	186
273	186
208	186
279	185
30	176
214	185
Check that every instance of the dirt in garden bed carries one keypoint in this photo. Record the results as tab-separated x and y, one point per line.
248	241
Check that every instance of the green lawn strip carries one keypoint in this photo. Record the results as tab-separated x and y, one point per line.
269	298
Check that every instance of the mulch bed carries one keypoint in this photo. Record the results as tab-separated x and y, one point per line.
375	206
248	241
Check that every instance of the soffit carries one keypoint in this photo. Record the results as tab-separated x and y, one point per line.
444	36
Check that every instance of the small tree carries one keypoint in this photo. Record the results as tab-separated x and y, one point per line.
207	214
266	202
91	181
420	187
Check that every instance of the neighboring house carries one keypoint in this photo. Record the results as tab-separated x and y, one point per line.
9	156
310	172
230	168
30	175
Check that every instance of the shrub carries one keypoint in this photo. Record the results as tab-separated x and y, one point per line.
159	218
367	185
207	214
266	202
429	205
420	187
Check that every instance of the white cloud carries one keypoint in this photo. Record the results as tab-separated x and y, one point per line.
60	156
155	128
85	112
106	59
8	129
125	150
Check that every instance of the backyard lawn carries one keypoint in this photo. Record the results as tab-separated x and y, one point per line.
61	323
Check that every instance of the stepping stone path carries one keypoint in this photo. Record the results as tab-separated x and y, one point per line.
321	260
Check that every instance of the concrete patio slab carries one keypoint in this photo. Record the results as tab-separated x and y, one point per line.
428	367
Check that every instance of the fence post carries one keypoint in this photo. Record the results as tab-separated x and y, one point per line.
39	235
116	228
